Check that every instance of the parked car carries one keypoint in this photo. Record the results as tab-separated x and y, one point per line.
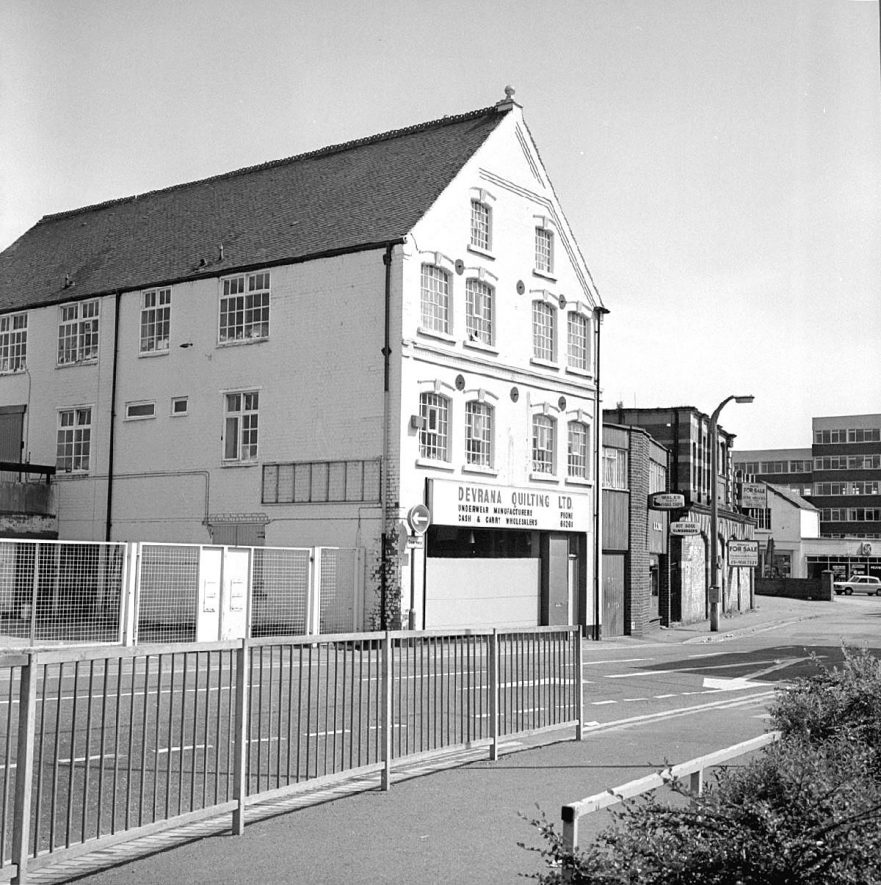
859	584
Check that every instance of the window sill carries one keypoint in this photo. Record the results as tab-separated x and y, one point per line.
90	362
476	468
20	371
544	477
240	464
582	373
481	346
544	275
435	465
241	342
578	481
482	252
67	476
545	364
439	336
149	354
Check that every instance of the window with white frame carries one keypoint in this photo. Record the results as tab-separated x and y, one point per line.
74	440
579	449
479	311
481	225
544	331
544	250
13	342
434	436
478	433
241	414
155	320
180	405
244	308
615	468
435	299
543	444
78	333
578	342
139	411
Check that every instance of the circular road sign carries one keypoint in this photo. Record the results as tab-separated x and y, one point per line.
419	518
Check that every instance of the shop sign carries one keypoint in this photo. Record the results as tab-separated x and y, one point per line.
754	496
508	507
685	527
743	554
666	501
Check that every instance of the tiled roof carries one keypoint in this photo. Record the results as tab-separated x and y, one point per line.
792	497
337	199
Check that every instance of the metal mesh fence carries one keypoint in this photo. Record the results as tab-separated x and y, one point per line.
279	591
61	591
336	590
168	593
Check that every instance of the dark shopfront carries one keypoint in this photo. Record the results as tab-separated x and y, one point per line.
844	567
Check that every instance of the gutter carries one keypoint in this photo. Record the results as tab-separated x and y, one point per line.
599	312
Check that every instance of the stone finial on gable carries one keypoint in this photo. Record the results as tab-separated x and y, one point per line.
508	101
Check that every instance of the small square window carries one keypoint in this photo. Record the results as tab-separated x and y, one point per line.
180	405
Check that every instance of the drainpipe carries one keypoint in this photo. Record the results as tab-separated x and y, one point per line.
600	312
108	528
386	397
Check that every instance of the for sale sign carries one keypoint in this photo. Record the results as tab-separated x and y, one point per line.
743	554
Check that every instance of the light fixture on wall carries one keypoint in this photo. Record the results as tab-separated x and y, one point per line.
417	422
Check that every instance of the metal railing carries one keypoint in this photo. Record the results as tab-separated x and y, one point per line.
694	769
105	744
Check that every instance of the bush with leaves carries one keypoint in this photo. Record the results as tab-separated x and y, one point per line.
806	811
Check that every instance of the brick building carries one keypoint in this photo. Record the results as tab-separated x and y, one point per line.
685	432
300	352
635	538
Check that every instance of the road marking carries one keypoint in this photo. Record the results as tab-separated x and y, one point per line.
616	661
601	703
638	673
686	711
736	684
635	699
660	696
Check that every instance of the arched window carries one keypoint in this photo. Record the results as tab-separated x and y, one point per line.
543	444
478	433
479	311
481	225
435	299
579	448
434	436
544	331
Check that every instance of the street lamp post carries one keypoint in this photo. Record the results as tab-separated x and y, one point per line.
714	508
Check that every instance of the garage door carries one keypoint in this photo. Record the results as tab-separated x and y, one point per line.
477	593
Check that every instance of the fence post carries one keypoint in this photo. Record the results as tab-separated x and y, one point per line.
579	685
494	695
313	596
34	594
242	731
386	711
570	828
131	592
24	774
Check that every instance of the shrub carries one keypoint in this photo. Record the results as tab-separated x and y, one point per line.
806	811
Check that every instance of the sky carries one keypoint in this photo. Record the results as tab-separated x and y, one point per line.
719	161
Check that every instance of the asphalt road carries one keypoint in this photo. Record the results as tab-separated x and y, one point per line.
650	703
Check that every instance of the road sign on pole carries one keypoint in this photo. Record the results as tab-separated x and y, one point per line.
419	518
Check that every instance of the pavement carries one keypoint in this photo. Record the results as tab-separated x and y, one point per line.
454	818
